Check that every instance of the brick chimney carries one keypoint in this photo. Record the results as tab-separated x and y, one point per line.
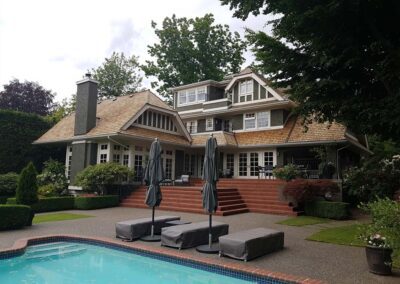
86	105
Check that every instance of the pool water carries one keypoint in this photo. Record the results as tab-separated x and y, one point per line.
70	263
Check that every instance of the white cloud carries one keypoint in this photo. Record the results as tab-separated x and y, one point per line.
55	42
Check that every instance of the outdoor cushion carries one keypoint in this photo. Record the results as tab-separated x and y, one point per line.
250	244
134	229
191	235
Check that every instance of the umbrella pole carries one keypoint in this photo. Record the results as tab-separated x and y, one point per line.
152	222
210	230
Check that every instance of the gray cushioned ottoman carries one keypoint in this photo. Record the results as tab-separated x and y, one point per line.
191	235
134	229
250	244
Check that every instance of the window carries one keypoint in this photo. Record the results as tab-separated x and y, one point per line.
69	167
104	147
125	160
253	164
249	121
230	162
182	98
242	164
126	148
268	163
116	158
103	158
168	152
168	168
257	120
210	124
263	119
192	96
117	148
227	126
138	169
191	126
201	94
246	90
70	149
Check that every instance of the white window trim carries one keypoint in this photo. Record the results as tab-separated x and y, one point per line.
256	121
196	101
212	124
193	124
246	93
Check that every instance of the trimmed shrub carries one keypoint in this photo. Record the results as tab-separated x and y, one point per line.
96	202
48	190
27	186
302	190
50	203
98	177
328	209
53	179
8	184
15	216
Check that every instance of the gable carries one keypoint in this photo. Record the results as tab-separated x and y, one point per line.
250	87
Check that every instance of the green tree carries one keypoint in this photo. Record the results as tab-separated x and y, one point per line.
340	58
192	50
27	186
27	97
119	75
61	110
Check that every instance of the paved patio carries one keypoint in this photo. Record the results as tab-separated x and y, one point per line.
328	262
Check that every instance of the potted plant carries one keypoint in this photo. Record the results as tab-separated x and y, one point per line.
379	254
382	235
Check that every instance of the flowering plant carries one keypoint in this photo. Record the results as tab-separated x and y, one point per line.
377	240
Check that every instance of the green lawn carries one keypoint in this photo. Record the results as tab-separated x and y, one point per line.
58	217
303	221
345	235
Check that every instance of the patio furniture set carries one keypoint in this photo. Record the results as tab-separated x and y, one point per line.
244	245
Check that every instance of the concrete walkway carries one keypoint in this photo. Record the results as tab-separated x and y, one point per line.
328	262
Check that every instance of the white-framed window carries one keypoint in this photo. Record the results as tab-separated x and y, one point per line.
116	158
103	158
210	124
104	147
230	162
125	159
192	96
257	120
263	119
191	126
246	91
117	148
249	120
201	94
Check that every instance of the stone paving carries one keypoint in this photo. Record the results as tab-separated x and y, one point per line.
327	262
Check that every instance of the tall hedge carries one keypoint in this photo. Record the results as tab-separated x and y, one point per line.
27	186
18	131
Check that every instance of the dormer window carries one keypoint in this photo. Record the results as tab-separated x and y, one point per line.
192	96
246	91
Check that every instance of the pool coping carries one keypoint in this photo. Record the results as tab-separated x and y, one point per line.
20	245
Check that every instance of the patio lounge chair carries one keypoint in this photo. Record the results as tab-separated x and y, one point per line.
191	235
250	244
183	180
134	229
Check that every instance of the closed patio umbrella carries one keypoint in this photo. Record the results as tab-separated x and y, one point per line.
209	192
154	174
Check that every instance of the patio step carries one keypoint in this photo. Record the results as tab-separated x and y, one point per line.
235	196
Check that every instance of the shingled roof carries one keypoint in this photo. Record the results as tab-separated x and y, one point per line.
112	115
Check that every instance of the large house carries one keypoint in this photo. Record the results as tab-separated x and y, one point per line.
251	121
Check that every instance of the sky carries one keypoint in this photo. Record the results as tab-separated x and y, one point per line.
54	43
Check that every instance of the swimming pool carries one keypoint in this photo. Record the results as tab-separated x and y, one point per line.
78	262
